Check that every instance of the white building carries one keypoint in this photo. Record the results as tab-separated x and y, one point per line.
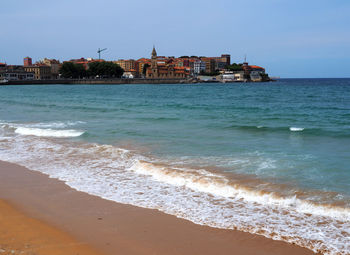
199	66
233	76
16	75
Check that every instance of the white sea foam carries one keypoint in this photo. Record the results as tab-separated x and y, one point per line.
48	132
296	129
204	181
195	194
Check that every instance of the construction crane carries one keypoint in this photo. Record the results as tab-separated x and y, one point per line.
99	52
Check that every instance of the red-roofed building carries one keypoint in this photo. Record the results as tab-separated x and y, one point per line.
143	63
257	68
165	68
253	72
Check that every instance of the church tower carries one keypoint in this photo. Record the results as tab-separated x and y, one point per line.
154	66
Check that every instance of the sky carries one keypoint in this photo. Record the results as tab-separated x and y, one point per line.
290	38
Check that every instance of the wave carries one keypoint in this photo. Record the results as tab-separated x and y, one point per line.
51	124
262	128
296	129
160	119
316	131
196	194
48	132
45	129
54	124
218	185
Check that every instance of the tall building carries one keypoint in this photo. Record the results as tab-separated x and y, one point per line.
27	61
210	64
226	58
222	62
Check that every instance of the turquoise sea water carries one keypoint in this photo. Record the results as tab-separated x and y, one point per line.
196	151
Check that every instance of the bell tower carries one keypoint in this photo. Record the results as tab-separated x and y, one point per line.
154	57
154	66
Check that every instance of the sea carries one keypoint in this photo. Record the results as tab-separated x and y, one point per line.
271	159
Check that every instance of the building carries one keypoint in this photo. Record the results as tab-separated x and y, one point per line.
256	73
130	67
222	62
16	75
143	64
248	73
210	64
165	68
199	66
41	72
15	72
233	76
226	58
54	64
27	61
214	64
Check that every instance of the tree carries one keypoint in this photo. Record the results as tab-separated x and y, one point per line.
80	71
72	70
105	69
235	67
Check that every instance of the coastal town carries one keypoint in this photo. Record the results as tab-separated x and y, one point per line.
191	69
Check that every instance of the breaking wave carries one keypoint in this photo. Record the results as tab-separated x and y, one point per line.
49	129
48	132
193	193
296	129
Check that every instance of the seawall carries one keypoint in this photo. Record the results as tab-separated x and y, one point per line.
98	81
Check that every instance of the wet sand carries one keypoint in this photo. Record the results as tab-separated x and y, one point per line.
93	224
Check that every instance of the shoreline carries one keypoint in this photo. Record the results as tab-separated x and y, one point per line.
114	228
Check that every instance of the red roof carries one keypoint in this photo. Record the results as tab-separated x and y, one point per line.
257	67
144	60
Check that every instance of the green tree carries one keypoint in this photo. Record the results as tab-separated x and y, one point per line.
105	69
235	67
72	70
80	71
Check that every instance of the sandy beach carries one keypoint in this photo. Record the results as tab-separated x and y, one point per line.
21	234
44	212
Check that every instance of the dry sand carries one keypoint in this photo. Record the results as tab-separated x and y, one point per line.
20	234
49	212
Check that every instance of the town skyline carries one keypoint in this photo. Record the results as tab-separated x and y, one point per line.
291	39
191	68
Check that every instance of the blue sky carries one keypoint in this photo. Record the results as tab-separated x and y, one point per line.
297	38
